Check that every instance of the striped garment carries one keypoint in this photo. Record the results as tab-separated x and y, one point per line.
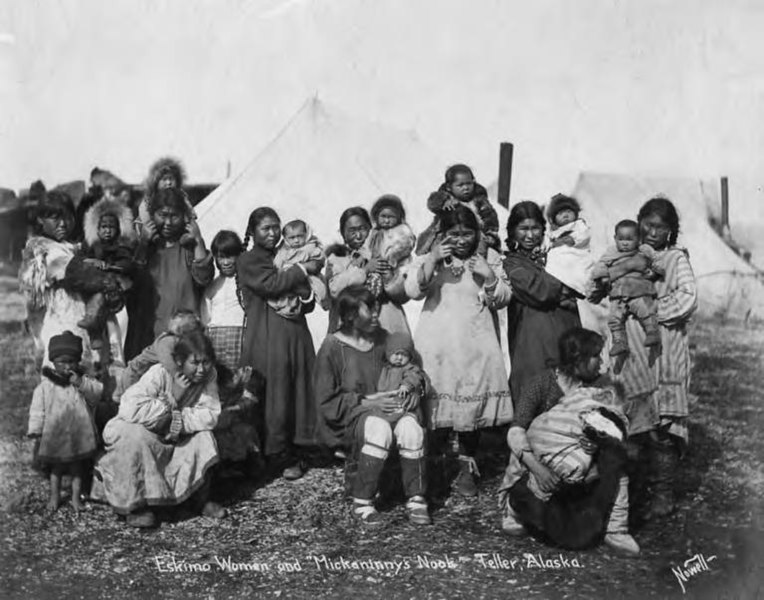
658	395
227	341
554	435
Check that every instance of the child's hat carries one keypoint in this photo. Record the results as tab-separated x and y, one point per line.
399	341
560	202
65	344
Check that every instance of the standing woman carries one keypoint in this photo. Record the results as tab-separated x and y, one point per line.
53	305
279	348
458	337
657	388
542	308
175	275
351	263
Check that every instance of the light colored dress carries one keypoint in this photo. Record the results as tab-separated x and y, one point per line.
51	309
659	395
63	418
139	467
571	264
457	338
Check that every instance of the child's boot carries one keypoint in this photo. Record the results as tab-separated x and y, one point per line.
620	342
465	484
416	508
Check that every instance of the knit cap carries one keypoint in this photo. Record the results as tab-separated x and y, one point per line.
65	344
399	341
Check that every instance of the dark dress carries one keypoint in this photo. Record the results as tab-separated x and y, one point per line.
342	376
280	349
171	281
535	319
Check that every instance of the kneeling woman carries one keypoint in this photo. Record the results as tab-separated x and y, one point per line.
346	377
160	446
566	471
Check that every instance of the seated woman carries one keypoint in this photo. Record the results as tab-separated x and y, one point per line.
352	413
572	492
160	446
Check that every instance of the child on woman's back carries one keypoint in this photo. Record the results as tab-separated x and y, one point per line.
568	256
391	239
460	187
61	416
299	245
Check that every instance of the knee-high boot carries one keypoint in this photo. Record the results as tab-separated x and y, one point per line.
664	461
413	474
366	479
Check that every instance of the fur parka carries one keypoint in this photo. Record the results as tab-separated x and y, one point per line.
108	206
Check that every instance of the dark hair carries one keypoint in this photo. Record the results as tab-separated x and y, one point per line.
626	223
353	211
665	209
294	223
454	170
53	204
388	201
577	346
255	218
350	300
464	216
170	198
560	202
226	243
521	211
193	342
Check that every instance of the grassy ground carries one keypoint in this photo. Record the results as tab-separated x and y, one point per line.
291	528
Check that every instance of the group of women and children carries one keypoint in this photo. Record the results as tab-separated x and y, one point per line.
217	364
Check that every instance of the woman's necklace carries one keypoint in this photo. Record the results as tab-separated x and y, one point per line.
455	265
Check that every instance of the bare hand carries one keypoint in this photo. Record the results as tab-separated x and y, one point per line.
411	402
442	250
546	478
94	262
384	267
638	262
192	229
450	204
479	266
180	384
149	230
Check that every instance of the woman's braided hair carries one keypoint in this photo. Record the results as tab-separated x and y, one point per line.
254	220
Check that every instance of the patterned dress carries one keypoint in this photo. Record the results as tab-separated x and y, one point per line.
457	338
658	395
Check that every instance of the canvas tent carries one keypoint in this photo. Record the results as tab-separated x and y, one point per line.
727	285
321	163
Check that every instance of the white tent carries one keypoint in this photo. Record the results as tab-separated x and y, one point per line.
321	163
727	285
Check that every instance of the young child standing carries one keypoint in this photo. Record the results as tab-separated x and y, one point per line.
298	246
460	187
61	416
391	239
400	374
568	256
222	312
634	292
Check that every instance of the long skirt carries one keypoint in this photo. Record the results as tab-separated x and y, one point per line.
139	469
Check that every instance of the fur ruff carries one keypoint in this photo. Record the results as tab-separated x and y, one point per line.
108	206
166	163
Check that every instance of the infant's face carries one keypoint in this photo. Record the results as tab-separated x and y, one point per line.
295	237
108	228
399	358
387	218
564	217
626	239
463	186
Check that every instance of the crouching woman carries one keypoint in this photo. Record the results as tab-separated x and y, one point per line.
160	446
353	413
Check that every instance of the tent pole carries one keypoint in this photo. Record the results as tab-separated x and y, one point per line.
725	208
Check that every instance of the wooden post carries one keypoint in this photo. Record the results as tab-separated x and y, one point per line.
725	204
506	151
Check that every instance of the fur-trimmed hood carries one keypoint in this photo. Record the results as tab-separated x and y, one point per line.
108	206
161	166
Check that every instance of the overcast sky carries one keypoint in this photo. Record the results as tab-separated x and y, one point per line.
646	86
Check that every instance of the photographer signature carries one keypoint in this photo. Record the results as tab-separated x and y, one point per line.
690	568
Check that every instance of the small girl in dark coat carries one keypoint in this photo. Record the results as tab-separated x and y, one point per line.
277	348
460	187
61	416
